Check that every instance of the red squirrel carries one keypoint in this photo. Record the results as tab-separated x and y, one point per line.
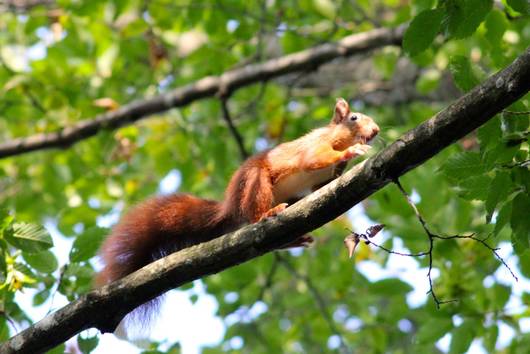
260	188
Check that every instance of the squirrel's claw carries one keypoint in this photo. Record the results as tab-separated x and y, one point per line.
274	211
355	151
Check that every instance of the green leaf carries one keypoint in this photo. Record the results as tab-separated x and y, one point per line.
503	217
390	286
498	192
4	330
524	263
87	244
5	220
499	154
490	338
44	261
40	297
462	72
87	344
463	165
421	5
515	124
28	272
60	349
30	238
521	177
422	31
326	8
462	336
428	81
501	295
106	60
434	329
174	349
475	187
522	6
520	222
3	269
464	16
496	24
385	63
526	298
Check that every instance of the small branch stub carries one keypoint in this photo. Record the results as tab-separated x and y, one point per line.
352	240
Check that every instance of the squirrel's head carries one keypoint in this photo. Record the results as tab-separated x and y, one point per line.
362	126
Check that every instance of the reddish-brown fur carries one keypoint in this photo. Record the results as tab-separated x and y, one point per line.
165	224
157	227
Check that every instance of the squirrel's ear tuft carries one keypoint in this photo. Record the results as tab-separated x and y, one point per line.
342	110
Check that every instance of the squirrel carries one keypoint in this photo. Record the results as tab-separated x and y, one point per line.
262	187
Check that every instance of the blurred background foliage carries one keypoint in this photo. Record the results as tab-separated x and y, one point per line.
63	61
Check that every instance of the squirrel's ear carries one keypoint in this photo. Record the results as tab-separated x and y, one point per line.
342	110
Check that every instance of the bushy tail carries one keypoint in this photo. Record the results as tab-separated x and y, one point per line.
153	229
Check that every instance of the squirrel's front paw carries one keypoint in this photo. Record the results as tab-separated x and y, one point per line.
354	151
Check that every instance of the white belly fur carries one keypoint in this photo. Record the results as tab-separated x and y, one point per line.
300	184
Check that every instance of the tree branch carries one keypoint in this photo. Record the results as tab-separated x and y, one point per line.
209	86
24	5
103	308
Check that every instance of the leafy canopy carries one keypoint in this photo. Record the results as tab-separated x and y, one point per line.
74	59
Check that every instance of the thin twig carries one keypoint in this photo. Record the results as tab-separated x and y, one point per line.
233	130
483	242
252	104
268	280
420	254
516	164
289	96
34	101
516	113
59	282
433	236
413	206
9	320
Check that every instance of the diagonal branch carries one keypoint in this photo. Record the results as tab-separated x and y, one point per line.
103	308
209	86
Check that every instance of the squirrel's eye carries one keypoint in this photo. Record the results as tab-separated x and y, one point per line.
353	118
